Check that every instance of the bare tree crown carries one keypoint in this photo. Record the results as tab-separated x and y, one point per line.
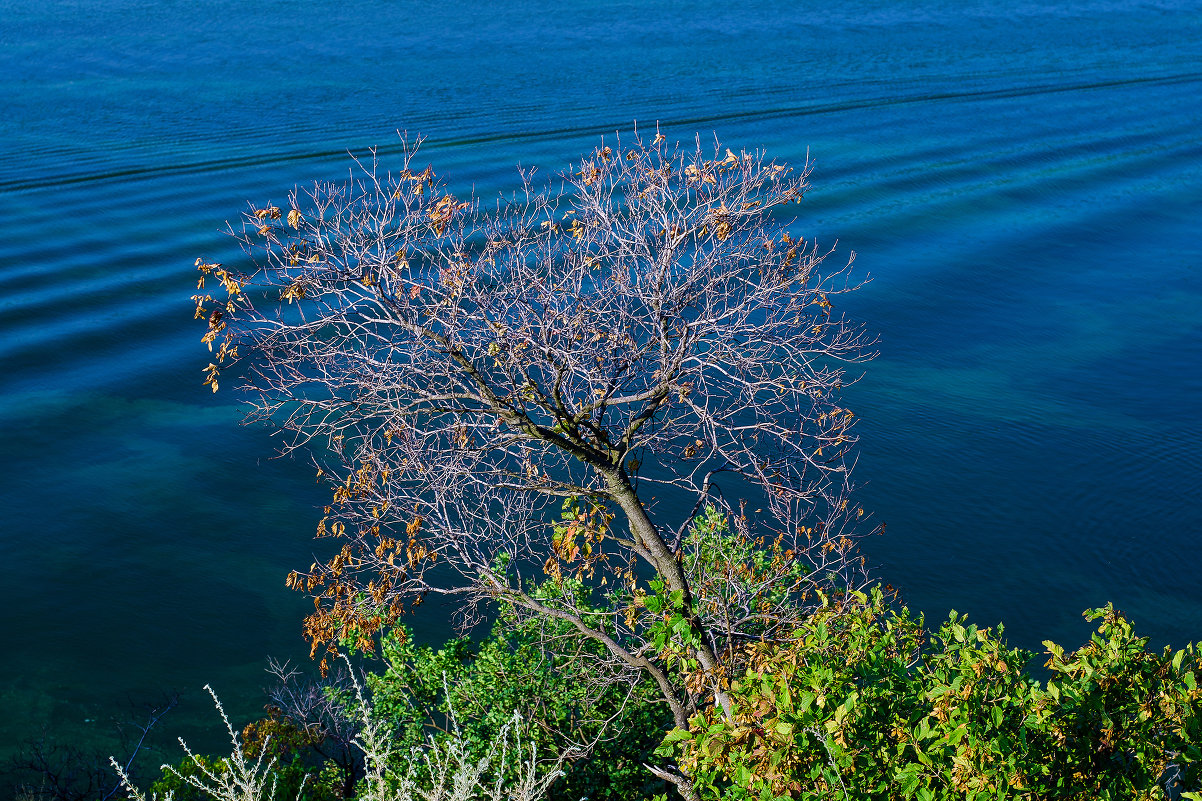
503	386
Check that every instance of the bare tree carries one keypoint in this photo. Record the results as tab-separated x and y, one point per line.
325	711
503	391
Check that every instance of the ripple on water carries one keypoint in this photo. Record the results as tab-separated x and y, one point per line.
1022	183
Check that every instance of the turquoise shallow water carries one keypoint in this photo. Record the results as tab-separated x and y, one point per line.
1023	184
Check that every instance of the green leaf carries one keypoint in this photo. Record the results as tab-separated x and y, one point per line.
676	735
907	779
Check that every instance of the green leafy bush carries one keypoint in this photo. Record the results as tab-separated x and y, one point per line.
864	703
556	690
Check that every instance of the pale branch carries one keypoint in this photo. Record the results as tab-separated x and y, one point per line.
499	386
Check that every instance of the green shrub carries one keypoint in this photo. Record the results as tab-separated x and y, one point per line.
866	704
555	691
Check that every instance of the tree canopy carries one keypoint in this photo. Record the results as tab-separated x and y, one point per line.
555	384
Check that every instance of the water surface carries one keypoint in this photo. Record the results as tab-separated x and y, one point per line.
1023	184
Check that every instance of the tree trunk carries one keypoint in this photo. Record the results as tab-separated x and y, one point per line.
664	562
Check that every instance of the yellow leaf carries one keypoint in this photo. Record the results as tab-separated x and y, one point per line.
295	218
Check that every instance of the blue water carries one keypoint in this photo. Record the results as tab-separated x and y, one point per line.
1022	182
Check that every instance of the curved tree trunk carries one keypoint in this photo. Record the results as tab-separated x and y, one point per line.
665	563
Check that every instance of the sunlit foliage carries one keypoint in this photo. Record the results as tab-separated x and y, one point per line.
867	704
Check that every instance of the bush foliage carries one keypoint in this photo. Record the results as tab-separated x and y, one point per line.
515	671
862	701
866	704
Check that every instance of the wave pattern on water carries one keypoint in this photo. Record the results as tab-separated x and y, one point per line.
261	158
1023	187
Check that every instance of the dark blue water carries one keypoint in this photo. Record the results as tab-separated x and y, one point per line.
1022	183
